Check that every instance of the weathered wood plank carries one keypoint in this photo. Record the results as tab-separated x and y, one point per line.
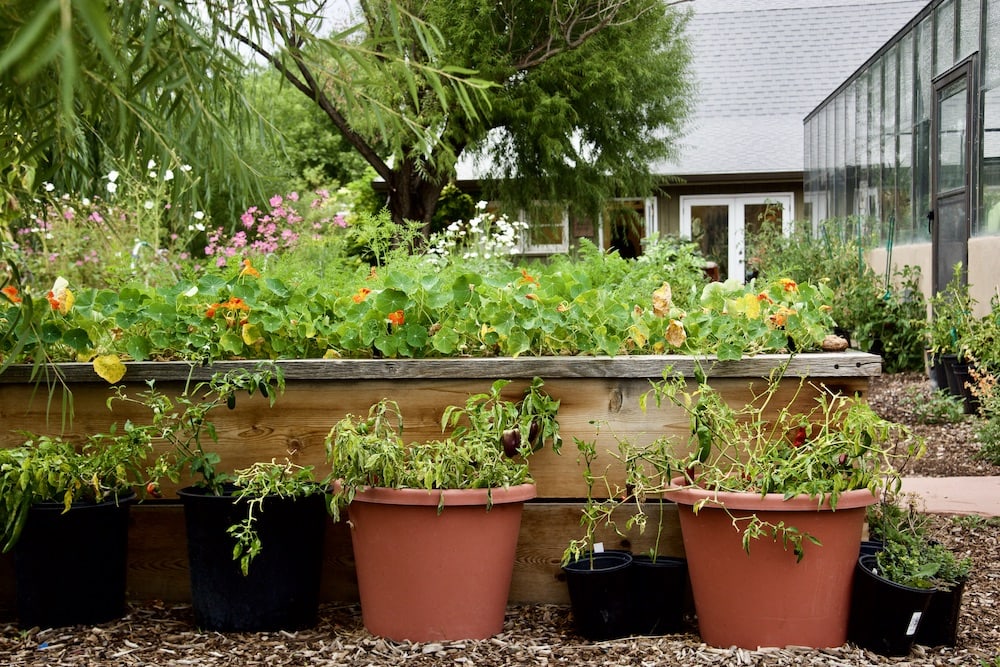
300	420
840	364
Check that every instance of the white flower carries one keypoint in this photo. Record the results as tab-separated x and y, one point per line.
112	176
85	201
191	292
168	175
48	186
185	168
198	227
148	205
112	187
151	164
152	174
198	215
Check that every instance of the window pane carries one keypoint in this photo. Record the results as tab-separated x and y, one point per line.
710	231
968	28
944	54
991	44
951	137
989	218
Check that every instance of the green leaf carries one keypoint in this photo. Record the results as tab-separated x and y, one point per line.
78	340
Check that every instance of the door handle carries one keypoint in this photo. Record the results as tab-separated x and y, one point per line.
930	221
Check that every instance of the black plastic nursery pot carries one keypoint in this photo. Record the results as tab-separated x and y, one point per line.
885	616
599	594
281	590
70	567
870	547
939	624
937	372
658	590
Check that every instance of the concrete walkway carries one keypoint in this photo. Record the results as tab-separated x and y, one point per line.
957	495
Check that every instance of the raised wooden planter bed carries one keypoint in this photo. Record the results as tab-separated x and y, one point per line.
319	392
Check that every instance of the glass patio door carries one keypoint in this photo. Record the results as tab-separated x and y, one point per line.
951	186
721	225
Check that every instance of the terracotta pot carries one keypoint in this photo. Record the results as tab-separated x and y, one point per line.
765	597
425	575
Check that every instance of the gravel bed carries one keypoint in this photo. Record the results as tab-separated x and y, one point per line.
164	635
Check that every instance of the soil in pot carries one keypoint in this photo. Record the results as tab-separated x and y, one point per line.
599	592
885	616
658	589
70	567
281	591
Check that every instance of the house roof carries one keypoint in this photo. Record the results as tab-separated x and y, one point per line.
761	65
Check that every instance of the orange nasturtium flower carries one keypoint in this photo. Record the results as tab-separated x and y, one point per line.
232	308
361	295
60	298
531	296
788	284
763	297
248	269
780	318
527	278
11	293
397	317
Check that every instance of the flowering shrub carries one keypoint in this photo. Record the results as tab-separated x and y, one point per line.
279	228
132	229
486	236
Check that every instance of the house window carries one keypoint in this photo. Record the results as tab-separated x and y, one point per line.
720	225
548	230
625	223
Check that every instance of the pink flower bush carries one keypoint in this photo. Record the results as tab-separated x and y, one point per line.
267	232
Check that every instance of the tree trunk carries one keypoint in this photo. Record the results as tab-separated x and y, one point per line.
413	194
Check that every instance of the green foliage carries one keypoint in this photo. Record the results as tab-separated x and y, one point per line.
256	484
987	390
910	556
452	205
893	321
979	341
935	407
772	446
830	254
836	444
789	446
887	319
486	445
582	122
951	314
45	469
413	306
305	150
182	421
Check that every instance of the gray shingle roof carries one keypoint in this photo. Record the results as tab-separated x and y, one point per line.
761	65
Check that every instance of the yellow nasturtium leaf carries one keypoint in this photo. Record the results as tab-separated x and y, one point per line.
675	333
252	334
109	367
662	300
